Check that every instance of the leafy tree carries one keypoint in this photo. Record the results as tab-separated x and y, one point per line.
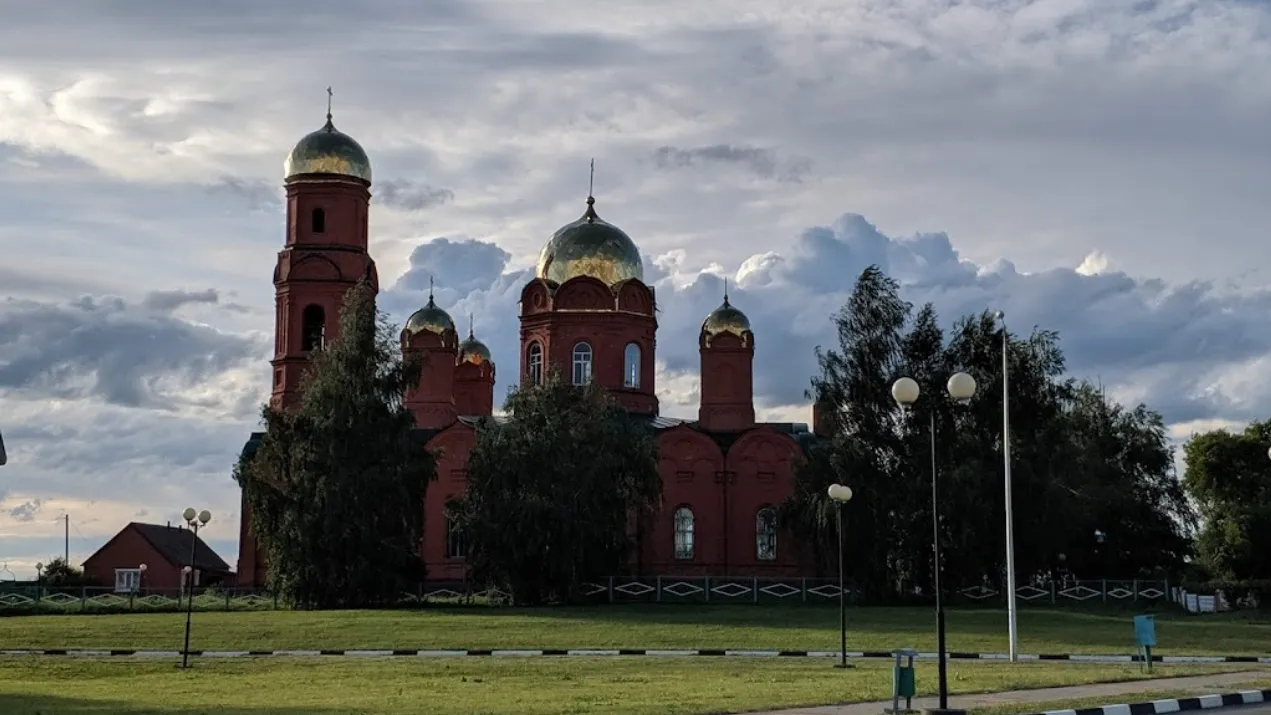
855	386
1079	463
336	489
554	491
1227	476
58	573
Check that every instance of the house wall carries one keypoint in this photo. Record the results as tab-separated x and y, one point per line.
128	550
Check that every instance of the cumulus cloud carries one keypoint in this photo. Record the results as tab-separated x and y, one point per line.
1134	334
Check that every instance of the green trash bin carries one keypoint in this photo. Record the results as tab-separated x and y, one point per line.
903	684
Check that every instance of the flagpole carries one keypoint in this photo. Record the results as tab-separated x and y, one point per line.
1011	613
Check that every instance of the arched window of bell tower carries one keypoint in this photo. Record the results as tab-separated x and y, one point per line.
313	329
534	364
631	366
319	222
582	364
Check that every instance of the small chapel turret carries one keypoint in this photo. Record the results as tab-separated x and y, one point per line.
474	378
429	334
727	348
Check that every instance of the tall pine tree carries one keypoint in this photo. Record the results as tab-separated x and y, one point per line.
336	488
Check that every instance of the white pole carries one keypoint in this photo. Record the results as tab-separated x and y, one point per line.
1013	625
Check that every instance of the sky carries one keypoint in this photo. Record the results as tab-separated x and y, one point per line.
1097	167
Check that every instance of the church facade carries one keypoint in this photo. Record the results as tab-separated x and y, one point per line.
587	313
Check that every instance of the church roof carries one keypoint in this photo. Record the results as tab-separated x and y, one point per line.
798	431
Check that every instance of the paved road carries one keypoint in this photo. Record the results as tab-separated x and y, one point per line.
1259	709
1114	692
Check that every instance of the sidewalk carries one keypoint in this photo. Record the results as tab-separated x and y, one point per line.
1218	683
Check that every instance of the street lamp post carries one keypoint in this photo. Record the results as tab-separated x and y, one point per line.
841	496
141	577
1012	623
39	581
194	520
961	388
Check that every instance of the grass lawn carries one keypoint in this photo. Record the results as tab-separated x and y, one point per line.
1253	683
639	626
492	686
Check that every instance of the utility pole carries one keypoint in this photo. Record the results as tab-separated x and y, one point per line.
66	553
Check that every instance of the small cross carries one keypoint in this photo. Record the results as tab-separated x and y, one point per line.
591	183
329	94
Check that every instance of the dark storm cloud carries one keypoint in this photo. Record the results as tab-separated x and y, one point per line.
104	348
1161	338
407	195
763	163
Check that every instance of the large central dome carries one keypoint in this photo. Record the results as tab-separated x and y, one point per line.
590	247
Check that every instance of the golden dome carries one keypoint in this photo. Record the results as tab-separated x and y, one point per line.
473	350
726	319
430	318
590	247
328	151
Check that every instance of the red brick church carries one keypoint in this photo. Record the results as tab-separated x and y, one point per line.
587	311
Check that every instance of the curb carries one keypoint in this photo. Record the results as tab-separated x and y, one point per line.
1159	707
463	652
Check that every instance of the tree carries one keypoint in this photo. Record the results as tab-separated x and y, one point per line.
1227	476
854	387
554	492
336	488
1079	463
59	573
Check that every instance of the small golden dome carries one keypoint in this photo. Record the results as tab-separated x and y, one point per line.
473	350
430	318
590	247
726	319
328	151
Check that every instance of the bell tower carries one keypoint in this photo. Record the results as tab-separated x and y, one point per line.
727	348
327	178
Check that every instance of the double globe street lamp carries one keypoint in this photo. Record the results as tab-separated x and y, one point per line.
841	495
195	520
961	388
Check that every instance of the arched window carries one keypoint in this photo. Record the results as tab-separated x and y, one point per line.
319	222
534	364
313	330
631	366
582	364
766	534
684	534
455	548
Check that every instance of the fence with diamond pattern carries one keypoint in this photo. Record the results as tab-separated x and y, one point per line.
28	598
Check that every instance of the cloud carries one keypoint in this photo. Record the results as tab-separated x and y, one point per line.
169	300
408	196
1132	334
103	348
761	162
26	511
257	194
1099	166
